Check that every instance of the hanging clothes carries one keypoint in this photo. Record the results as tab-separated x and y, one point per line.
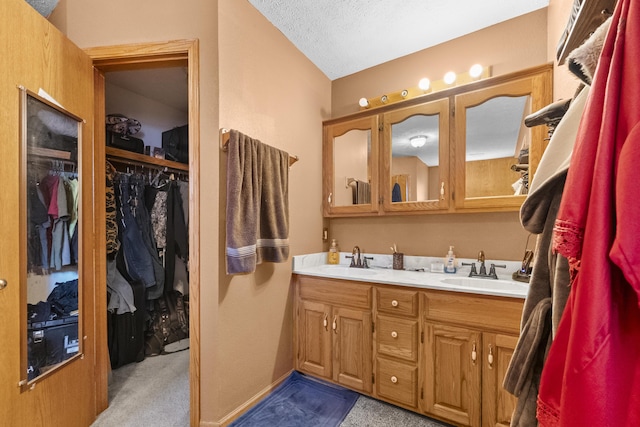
592	374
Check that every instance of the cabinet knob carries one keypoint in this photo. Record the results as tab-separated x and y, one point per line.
325	322
442	191
329	198
3	284
394	379
490	356
394	303
394	334
474	353
335	324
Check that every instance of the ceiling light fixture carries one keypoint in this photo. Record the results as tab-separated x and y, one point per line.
424	84
418	141
364	102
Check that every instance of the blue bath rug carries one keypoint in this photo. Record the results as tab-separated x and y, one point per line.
300	401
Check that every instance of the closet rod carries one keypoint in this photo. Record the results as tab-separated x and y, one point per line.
135	163
224	141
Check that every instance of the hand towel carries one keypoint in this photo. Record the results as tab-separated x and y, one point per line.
257	204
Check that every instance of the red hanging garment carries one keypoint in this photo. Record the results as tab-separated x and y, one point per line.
592	374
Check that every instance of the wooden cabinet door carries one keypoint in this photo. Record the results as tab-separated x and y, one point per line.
452	374
36	56
497	403
314	340
352	364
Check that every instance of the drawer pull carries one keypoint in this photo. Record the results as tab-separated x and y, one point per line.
490	357
394	379
394	303
394	334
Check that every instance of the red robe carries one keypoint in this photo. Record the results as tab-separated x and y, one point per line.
592	373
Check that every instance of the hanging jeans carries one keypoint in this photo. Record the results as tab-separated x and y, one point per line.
138	260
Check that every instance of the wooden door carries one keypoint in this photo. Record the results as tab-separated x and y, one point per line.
314	338
352	364
37	57
453	360
497	403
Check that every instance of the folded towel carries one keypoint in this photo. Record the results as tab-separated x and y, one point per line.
257	204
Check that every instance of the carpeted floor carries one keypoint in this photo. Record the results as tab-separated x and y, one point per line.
155	393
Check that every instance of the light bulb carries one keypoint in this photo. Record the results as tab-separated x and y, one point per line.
364	103
424	84
475	71
450	77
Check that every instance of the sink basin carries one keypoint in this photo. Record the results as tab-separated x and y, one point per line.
486	284
341	270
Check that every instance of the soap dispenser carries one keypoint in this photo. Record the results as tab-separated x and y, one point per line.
450	261
334	253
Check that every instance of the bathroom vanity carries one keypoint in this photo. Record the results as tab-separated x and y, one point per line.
433	343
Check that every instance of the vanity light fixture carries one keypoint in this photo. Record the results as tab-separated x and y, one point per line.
424	84
418	141
450	78
475	71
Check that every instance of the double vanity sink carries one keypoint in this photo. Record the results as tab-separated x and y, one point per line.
434	343
417	275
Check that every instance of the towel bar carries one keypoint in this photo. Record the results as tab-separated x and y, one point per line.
224	140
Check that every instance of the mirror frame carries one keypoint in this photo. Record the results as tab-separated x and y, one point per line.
441	108
24	383
538	87
331	132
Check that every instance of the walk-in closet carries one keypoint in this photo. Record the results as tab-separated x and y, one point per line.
147	220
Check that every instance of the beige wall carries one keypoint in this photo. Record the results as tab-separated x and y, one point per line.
271	92
510	46
564	83
254	80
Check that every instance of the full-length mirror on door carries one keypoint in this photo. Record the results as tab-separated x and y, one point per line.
51	252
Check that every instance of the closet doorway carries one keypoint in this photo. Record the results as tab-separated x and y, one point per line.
156	58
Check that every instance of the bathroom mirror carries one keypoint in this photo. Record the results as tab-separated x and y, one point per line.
351	165
50	189
416	162
495	138
499	151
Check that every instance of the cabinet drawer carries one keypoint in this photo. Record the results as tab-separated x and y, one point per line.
479	311
397	382
336	292
397	337
397	301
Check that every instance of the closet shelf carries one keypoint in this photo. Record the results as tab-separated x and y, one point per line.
124	155
590	15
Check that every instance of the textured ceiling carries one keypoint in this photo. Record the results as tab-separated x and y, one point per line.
342	37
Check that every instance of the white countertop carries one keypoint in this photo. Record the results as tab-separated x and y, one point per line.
381	272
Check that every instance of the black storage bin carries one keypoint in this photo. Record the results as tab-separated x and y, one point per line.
124	142
175	143
50	343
